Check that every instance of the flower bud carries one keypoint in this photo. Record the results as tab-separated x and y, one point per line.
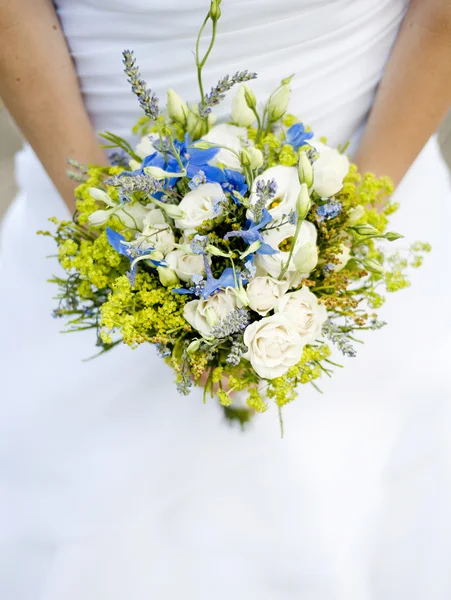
241	294
256	157
134	164
156	256
303	204
242	115
392	236
278	103
365	229
215	11
194	346
305	169
249	96
356	214
100	196
252	248
177	108
196	126
374	266
168	277
99	217
210	249
158	173
306	258
245	159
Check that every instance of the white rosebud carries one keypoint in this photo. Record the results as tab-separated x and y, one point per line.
306	258
355	214
168	277
304	203
256	157
273	346
242	114
130	216
177	108
304	312
101	196
172	210
305	169
329	170
264	293
202	315
278	103
185	264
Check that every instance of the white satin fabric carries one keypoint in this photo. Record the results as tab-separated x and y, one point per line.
112	486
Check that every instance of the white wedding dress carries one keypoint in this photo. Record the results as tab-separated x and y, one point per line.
113	487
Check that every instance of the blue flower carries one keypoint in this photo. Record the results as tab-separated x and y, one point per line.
297	136
252	234
119	243
328	211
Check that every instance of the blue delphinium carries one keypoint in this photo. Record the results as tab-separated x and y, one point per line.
252	234
297	136
119	243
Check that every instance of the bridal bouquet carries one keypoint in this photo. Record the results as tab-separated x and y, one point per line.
241	250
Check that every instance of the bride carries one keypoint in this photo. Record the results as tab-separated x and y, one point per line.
112	486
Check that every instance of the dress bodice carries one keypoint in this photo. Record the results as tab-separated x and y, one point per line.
337	50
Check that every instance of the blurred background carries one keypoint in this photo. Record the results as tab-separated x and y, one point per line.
10	143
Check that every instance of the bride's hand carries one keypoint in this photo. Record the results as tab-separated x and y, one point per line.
215	386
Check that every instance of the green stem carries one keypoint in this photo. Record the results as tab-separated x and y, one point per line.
259	123
199	65
279	408
293	244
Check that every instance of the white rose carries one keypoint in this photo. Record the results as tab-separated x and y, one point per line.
156	233
242	115
146	146
274	346
230	136
306	241
202	203
202	315
288	189
304	312
329	170
185	265
264	292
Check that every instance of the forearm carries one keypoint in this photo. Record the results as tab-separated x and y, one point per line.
415	92
39	86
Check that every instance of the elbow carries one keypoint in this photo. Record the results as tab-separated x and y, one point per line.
435	15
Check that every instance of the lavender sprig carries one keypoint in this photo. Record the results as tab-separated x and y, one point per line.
339	338
217	93
147	99
237	320
137	183
265	192
237	349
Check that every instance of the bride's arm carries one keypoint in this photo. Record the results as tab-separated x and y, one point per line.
415	92
39	86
